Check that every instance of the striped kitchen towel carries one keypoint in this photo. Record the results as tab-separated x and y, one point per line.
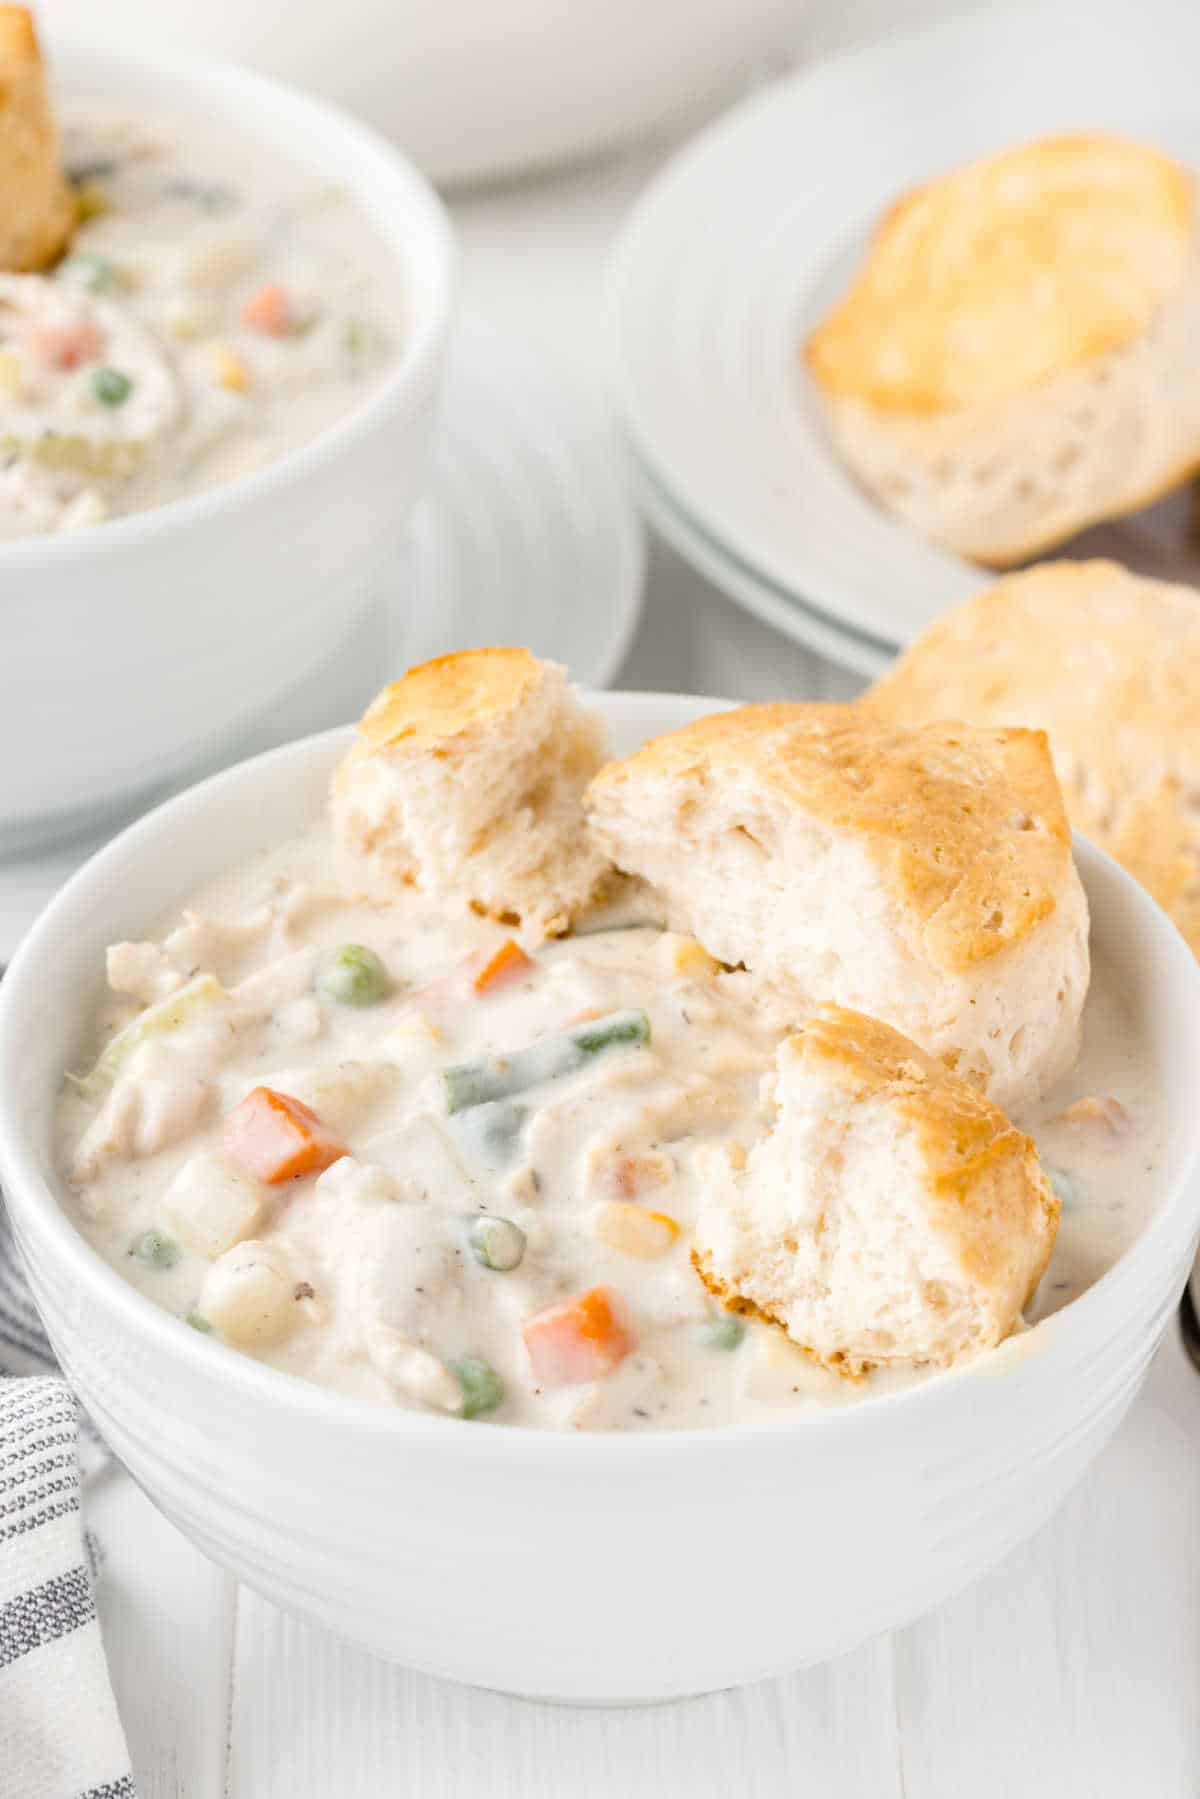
60	1736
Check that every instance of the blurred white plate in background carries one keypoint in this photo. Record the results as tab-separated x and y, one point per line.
476	88
527	535
736	249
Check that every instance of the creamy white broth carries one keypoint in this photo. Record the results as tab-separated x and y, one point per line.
375	1252
141	368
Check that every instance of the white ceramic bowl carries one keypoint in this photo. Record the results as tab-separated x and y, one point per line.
577	1567
139	649
477	90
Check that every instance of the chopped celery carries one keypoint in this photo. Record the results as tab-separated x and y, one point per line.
155	1249
497	1077
155	1021
722	1333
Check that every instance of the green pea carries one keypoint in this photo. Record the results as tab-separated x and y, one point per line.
198	1322
87	270
354	976
111	387
155	1249
482	1388
722	1333
497	1243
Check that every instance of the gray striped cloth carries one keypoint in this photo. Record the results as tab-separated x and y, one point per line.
60	1736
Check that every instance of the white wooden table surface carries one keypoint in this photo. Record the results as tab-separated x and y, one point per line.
1072	1672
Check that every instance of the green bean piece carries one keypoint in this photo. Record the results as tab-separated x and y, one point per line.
496	1243
111	387
482	1388
492	1131
87	270
155	1249
723	1333
354	976
498	1077
198	1322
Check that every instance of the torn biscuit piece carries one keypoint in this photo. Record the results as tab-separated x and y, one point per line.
38	210
890	1217
466	781
922	876
1013	359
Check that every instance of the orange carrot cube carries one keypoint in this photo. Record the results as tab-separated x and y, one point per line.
579	1339
275	1137
269	311
508	964
66	346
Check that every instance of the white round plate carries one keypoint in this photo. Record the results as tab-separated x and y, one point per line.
797	620
528	535
740	245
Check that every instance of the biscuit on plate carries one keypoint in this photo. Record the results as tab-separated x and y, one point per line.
1108	663
37	207
1014	359
466	782
891	1216
923	876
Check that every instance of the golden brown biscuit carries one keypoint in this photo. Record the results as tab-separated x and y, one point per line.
37	207
1012	360
925	1255
1108	663
923	876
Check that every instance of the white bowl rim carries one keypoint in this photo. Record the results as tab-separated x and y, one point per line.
163	1330
419	353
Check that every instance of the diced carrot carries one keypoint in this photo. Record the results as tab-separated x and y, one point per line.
580	1339
508	963
269	310
66	346
275	1137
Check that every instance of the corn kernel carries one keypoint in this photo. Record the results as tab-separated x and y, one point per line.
228	370
633	1230
687	957
10	373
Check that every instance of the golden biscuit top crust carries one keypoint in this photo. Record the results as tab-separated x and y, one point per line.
959	1132
998	276
38	209
966	826
1109	664
438	705
18	39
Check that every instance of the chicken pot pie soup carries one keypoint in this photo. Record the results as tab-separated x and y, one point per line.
413	1147
214	310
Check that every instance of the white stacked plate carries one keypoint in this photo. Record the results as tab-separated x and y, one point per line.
527	535
742	243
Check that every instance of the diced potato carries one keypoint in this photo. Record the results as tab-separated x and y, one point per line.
211	1206
633	1230
412	1043
252	1296
359	1182
426	1164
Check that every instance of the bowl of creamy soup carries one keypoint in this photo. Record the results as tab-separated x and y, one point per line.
214	415
370	1410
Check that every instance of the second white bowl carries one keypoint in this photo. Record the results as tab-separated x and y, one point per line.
141	648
